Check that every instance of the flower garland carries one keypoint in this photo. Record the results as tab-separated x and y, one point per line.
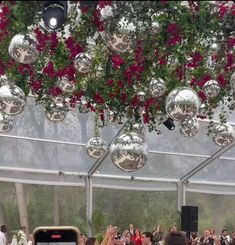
185	43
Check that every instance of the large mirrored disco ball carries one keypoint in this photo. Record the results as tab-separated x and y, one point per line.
12	99
121	40
96	147
211	89
135	127
23	48
56	112
83	62
189	127
182	103
129	152
6	123
66	85
157	87
223	134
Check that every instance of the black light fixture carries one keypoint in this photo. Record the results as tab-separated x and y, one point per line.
169	123
54	13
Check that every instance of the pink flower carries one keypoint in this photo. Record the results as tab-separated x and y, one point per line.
109	82
54	42
222	10
42	39
204	79
25	69
202	96
135	101
123	97
117	61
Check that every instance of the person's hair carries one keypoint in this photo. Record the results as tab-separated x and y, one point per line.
3	228
172	226
175	238
90	241
149	235
224	230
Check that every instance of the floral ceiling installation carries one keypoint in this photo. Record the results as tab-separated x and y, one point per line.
146	61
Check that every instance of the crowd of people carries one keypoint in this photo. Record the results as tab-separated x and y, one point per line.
134	236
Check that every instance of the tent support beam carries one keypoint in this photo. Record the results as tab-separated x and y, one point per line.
89	205
206	162
181	195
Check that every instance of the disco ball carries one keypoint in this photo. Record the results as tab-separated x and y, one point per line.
135	127
120	40
157	87
12	99
129	152
6	123
83	63
66	85
182	103
211	89
23	48
112	117
96	147
189	127
56	112
223	134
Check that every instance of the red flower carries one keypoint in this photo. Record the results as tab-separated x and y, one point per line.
55	91
42	39
49	69
25	69
2	68
222	10
121	84
222	81
202	96
54	42
117	61
98	98
204	79
123	97
36	85
109	82
135	101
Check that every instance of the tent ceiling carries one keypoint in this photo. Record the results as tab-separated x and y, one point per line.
40	151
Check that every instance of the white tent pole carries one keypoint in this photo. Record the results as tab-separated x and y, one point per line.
89	204
181	194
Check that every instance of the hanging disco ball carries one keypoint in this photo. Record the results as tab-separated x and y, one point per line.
189	127
112	117
129	152
56	112
23	48
157	87
203	110
182	103
12	99
211	89
135	127
6	123
223	134
120	39
83	63
96	147
66	85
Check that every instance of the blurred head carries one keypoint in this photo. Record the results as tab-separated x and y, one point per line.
128	237
4	228
147	238
91	241
30	237
172	228
131	227
137	232
224	232
23	228
206	233
175	238
212	231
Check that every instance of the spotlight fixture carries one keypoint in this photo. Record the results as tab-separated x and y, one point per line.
169	123
54	13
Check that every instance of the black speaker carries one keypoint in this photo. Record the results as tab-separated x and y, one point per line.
189	218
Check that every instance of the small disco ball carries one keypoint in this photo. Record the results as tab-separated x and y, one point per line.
182	103
211	89
112	117
223	134
6	123
66	85
135	127
203	110
23	48
189	127
56	112
157	87
96	147
121	40
129	152
141	95
83	63
12	99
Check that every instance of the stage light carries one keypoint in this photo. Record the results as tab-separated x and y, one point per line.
169	123
54	13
